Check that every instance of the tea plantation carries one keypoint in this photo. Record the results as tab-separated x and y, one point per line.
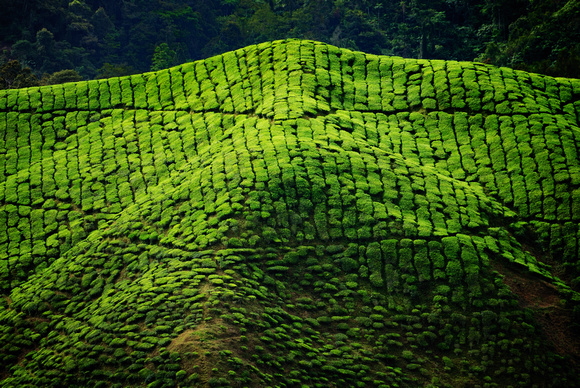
292	214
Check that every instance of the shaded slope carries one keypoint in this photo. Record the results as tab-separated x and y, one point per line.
289	213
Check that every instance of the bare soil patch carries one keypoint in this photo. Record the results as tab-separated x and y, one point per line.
543	298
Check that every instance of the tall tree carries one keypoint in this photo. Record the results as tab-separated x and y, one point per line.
14	76
163	58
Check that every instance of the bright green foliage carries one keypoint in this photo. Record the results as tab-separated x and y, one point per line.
287	214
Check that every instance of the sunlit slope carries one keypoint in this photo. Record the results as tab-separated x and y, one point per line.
291	214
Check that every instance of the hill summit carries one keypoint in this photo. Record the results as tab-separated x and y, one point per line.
292	214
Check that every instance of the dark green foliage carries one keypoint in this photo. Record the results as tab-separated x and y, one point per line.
14	76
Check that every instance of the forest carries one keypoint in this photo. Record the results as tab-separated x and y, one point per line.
54	41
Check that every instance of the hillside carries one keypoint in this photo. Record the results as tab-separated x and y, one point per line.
292	214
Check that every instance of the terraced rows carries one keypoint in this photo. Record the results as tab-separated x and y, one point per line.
289	213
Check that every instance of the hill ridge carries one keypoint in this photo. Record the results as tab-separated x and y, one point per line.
563	89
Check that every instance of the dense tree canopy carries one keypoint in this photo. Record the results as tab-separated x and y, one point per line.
97	37
13	76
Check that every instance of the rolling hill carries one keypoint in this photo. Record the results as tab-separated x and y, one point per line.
292	214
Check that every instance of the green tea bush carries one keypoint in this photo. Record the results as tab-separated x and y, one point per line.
337	212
